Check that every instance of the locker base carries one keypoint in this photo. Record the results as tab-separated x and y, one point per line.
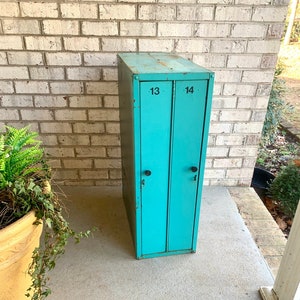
153	255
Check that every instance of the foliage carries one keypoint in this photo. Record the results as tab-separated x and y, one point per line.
276	149
15	159
278	155
277	108
285	188
25	185
295	34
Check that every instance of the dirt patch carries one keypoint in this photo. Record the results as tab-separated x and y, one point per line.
283	221
293	91
289	56
292	96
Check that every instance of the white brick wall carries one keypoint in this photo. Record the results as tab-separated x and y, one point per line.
135	28
100	29
6	87
243	61
63	59
8	72
60	27
81	44
248	30
32	87
43	43
66	87
46	73
233	13
11	42
20	26
24	58
212	30
79	10
117	11
58	72
3	59
9	9
156	12
198	13
119	44
39	10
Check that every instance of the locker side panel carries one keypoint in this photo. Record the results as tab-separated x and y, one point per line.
156	100
128	146
188	119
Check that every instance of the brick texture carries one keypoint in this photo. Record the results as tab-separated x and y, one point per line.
58	72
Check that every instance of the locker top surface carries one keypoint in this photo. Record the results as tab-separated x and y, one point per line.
163	66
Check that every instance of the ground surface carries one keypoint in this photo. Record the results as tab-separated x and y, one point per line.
226	265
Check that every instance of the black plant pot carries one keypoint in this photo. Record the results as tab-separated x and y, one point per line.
261	180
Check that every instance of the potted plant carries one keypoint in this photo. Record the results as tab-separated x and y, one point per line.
27	203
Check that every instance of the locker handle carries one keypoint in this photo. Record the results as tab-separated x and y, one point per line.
147	172
194	169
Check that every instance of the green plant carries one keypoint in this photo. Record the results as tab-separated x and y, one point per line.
25	185
277	108
278	155
285	188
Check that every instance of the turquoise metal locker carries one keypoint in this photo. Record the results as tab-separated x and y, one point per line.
165	104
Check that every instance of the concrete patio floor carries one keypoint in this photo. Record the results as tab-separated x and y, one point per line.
227	264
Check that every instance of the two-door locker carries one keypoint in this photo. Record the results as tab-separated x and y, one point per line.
165	104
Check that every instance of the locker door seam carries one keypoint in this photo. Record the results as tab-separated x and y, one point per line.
169	200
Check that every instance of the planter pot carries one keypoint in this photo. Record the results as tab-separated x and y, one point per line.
17	242
260	180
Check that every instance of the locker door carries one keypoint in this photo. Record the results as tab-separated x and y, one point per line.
189	110
156	99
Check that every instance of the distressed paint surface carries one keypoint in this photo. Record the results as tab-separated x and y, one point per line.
188	120
166	109
155	152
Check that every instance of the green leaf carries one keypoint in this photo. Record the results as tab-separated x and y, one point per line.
49	222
